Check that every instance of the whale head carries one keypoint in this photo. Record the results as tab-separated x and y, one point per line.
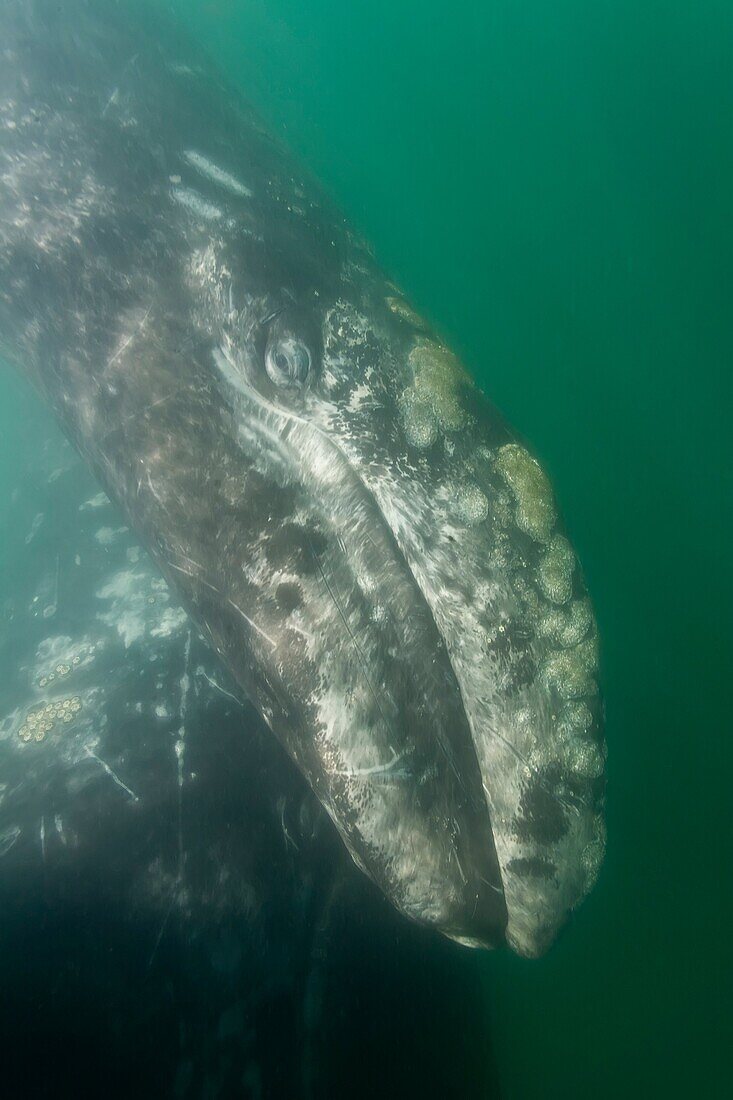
426	610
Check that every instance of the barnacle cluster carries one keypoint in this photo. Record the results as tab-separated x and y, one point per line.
575	718
471	503
592	856
567	626
534	503
556	570
41	720
421	427
433	402
570	667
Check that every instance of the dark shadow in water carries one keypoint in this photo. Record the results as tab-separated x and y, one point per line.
205	940
413	1022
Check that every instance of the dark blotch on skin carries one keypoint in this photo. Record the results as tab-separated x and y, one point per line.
267	503
296	548
534	867
288	596
541	819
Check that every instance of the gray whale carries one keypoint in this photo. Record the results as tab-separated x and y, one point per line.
374	555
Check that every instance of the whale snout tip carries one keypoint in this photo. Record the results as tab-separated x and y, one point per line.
474	942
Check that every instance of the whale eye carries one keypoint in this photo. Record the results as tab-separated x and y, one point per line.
287	362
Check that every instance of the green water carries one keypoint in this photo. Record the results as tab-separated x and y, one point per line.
551	183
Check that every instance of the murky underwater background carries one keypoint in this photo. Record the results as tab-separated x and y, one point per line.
551	184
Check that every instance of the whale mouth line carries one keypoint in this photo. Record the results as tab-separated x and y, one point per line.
292	441
258	400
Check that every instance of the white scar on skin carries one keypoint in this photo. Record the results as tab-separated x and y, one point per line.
376	769
217	686
113	775
196	204
213	172
126	343
254	625
246	618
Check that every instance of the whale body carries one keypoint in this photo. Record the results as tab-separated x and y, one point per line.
375	556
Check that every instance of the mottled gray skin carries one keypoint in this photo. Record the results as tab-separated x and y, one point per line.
351	525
